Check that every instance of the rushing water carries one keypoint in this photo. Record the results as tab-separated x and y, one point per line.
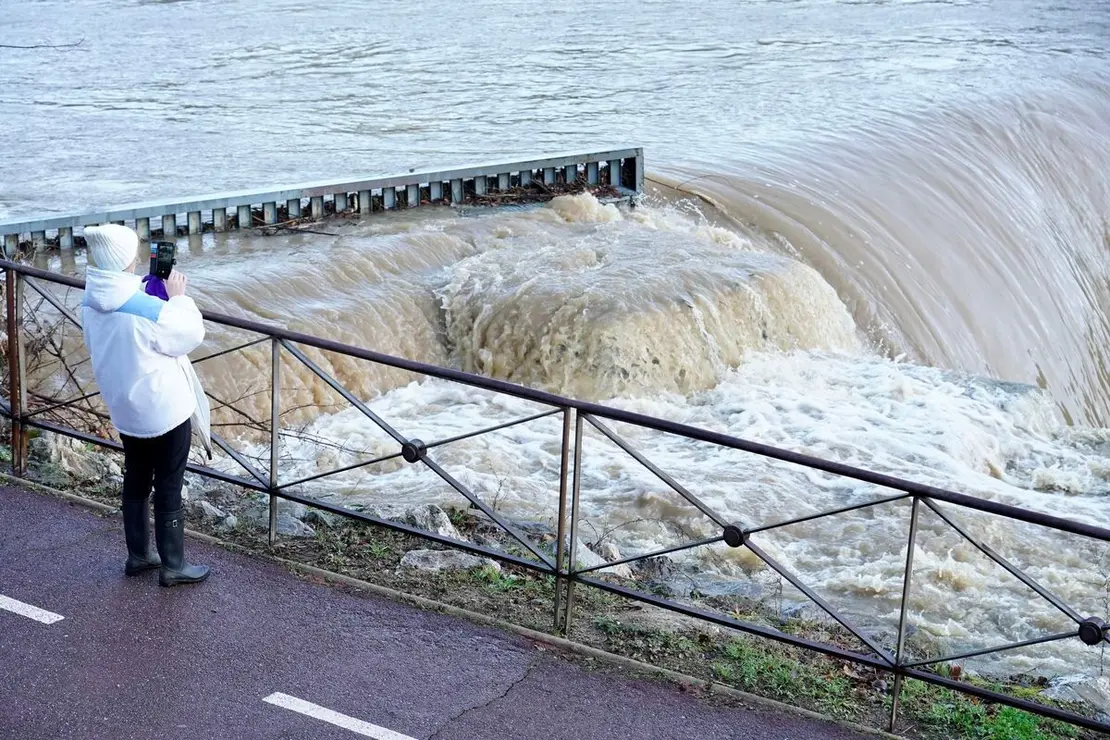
860	213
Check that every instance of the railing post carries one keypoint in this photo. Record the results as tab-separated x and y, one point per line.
17	389
906	584
561	529
275	427
572	554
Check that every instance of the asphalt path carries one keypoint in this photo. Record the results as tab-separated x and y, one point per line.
255	652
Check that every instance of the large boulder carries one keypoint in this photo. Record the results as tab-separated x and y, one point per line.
435	561
432	519
75	458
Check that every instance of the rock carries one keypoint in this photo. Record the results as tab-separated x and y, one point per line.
587	558
320	518
292	508
74	457
230	522
804	612
290	526
433	519
657	569
204	510
1089	690
222	495
435	561
609	551
655	618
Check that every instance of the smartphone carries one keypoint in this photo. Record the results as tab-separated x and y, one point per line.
163	256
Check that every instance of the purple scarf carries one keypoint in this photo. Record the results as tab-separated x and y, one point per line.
155	286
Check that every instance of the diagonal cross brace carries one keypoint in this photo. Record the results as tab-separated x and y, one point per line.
816	599
675	485
346	394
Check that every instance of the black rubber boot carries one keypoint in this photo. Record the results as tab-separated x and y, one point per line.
170	534
136	530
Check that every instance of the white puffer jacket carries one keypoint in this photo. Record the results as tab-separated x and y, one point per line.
139	346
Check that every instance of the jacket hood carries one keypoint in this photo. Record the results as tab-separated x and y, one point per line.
107	290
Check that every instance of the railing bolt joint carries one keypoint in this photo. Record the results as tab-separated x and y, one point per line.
1092	630
735	536
414	450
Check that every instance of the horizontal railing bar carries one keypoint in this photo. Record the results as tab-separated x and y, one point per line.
836	652
995	649
338	471
628	417
723	621
834	512
489	430
112	445
1013	570
342	391
281	194
657	553
656	471
819	601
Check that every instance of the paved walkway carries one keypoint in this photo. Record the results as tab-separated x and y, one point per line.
256	653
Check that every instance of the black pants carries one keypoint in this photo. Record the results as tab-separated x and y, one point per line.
159	464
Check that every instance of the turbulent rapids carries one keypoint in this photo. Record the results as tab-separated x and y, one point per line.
846	323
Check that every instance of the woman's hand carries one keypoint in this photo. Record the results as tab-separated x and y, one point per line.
176	284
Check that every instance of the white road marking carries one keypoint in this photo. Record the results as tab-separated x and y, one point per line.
31	612
316	711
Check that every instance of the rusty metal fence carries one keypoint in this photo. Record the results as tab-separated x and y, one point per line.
890	656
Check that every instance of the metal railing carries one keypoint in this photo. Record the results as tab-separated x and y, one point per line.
576	417
622	170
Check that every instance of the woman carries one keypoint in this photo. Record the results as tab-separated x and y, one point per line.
139	347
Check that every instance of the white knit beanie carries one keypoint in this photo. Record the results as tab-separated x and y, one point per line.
112	246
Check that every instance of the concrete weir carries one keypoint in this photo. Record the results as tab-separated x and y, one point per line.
619	170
